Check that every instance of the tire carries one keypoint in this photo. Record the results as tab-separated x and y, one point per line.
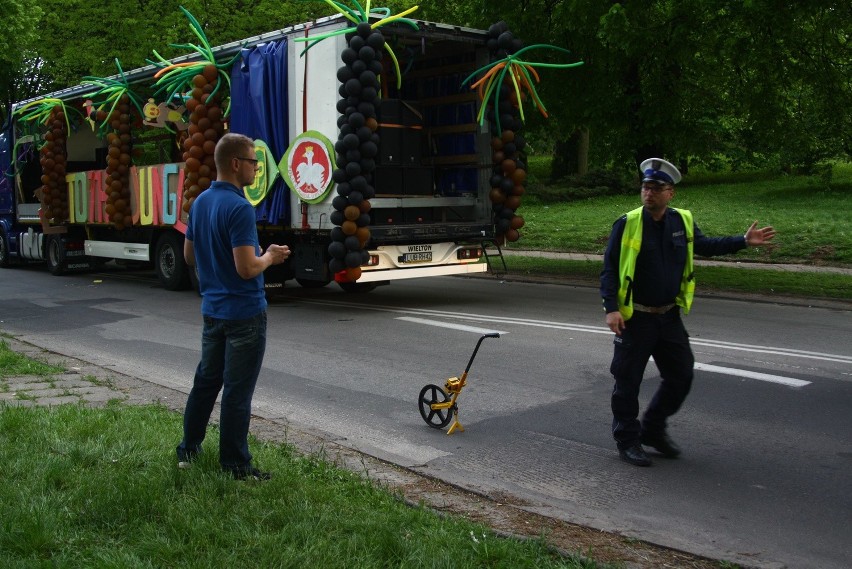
5	254
309	283
55	255
358	288
172	270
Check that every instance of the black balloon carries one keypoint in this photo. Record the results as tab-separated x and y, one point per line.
337	250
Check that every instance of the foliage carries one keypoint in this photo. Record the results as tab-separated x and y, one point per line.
578	187
74	39
722	84
757	83
20	34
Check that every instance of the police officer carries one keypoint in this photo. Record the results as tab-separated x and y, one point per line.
646	283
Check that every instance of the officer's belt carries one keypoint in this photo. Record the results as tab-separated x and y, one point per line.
653	309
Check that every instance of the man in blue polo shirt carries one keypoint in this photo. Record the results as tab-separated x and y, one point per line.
221	241
646	281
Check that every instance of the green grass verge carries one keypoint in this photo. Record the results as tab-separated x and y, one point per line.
12	364
810	213
86	487
742	279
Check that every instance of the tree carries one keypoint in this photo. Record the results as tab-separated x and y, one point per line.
714	81
16	44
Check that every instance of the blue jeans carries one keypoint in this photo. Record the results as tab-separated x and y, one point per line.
231	356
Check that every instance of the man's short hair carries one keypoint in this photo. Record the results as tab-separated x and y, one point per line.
231	145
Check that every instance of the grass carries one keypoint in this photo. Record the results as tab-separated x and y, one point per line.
84	487
810	214
12	364
735	278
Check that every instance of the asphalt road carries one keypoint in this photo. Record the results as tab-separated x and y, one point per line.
765	476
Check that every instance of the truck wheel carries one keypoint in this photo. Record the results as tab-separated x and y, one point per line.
169	264
358	288
5	255
56	262
309	283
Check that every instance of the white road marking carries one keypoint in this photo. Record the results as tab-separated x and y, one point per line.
450	325
789	381
771	350
603	330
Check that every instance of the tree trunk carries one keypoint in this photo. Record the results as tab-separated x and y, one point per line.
571	156
583	152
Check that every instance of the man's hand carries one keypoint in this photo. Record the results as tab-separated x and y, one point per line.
278	253
755	237
249	265
615	321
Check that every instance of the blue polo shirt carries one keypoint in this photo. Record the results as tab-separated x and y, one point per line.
220	219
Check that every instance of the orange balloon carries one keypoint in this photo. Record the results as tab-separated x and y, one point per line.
210	72
363	235
353	274
352	212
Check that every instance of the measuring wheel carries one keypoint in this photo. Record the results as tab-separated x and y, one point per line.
438	418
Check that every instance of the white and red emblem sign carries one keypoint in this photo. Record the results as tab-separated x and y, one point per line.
309	165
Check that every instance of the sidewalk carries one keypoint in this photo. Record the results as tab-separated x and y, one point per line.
701	262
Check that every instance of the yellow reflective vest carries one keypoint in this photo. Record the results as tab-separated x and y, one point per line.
631	243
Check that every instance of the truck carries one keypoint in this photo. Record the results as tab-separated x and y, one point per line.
437	203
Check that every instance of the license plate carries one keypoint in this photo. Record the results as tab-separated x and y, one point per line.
417	257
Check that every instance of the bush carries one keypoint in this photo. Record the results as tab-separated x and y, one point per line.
576	187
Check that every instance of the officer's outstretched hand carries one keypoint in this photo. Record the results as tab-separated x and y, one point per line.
615	321
755	236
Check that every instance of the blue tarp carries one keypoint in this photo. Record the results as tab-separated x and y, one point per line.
259	110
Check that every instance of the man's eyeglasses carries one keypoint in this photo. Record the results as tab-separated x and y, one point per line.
253	161
655	188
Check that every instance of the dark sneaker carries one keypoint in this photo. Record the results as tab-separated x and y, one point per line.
635	456
661	443
185	459
250	474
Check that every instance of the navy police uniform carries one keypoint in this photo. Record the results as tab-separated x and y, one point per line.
655	328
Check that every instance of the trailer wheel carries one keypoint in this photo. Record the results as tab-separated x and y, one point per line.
309	283
5	255
56	261
358	288
169	264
